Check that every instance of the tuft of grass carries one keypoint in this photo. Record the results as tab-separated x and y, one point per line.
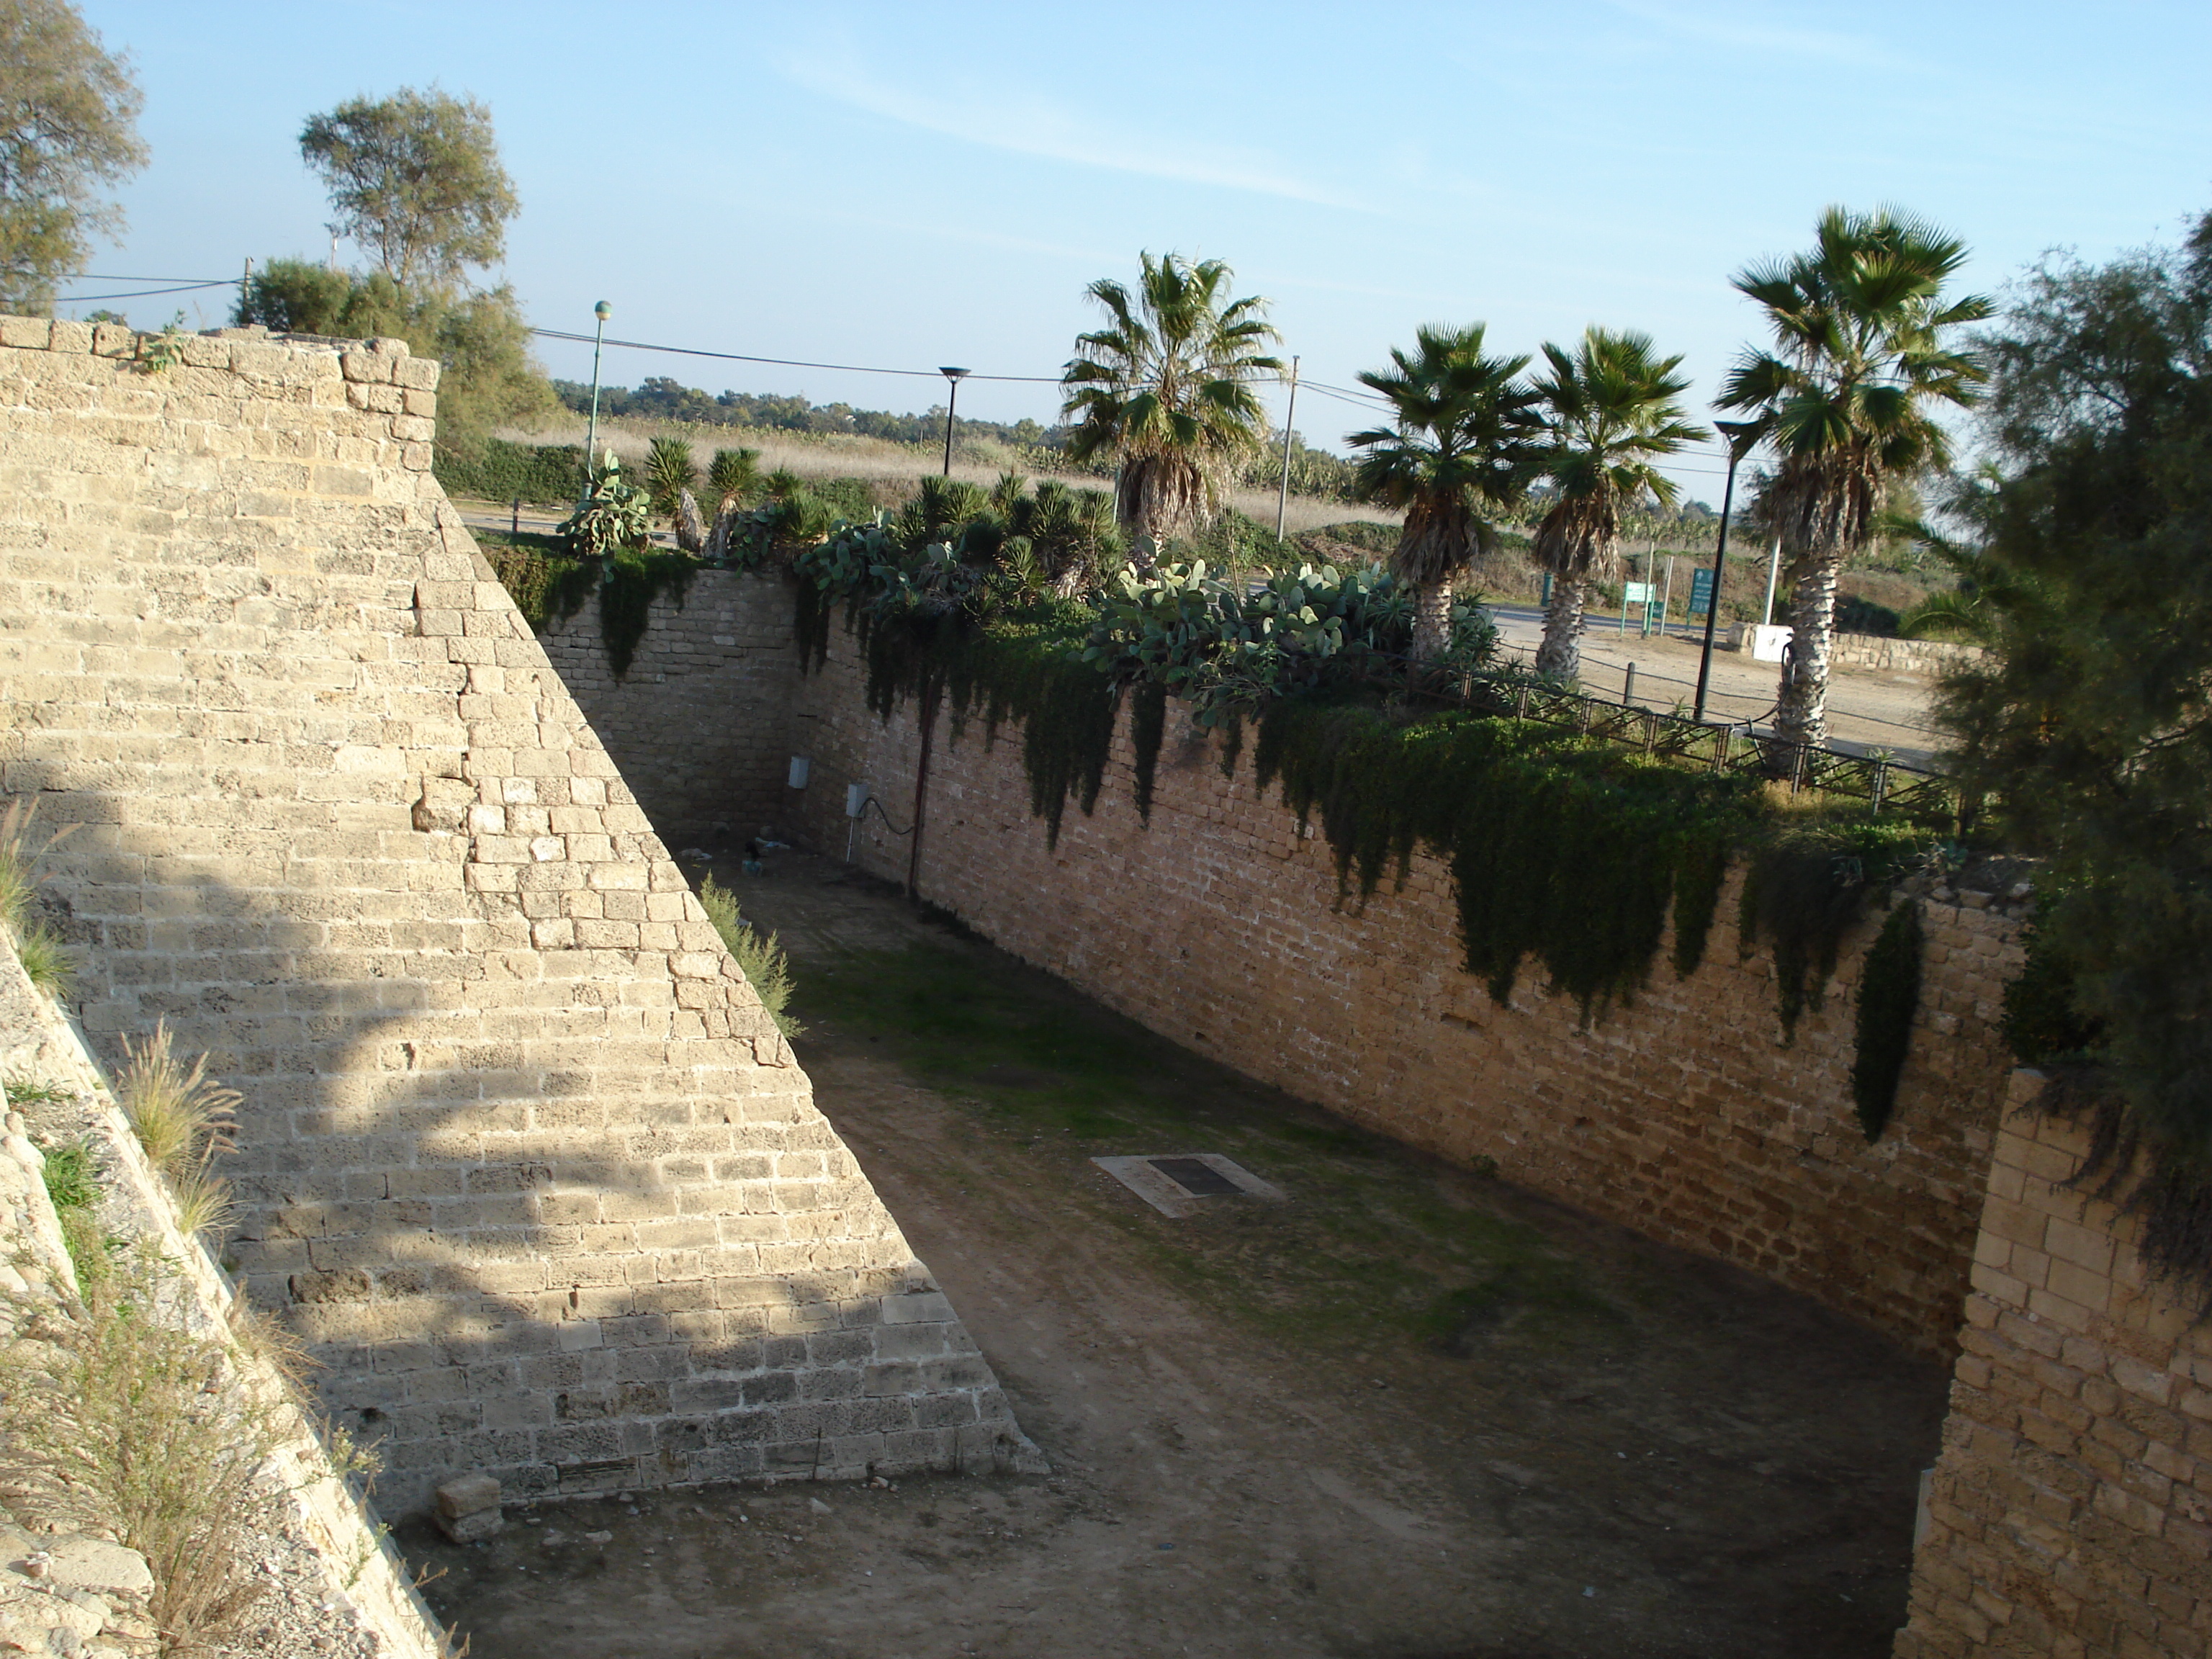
48	964
73	1175
760	955
19	858
114	1422
183	1118
24	1091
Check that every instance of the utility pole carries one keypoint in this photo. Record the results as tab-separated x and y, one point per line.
951	402
600	313
1773	566
1742	435
1283	492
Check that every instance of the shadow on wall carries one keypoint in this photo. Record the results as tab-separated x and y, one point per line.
518	1243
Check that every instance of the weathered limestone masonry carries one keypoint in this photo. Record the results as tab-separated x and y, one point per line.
1927	657
687	718
521	1154
1682	1115
360	1578
2072	1512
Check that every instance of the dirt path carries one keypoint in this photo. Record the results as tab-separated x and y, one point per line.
1410	1412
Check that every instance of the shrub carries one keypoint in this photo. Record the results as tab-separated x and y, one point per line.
493	470
615	515
762	959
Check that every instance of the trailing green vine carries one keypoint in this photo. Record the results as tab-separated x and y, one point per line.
1803	888
1562	850
1889	996
550	588
628	584
1148	726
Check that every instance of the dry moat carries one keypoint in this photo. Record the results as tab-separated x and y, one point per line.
1411	1412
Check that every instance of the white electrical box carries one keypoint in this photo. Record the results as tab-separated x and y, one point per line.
856	799
799	770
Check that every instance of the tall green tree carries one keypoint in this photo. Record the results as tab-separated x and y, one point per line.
416	180
68	133
1165	389
1468	441
1613	406
2088	724
1864	356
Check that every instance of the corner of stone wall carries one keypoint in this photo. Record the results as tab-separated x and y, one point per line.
2070	1511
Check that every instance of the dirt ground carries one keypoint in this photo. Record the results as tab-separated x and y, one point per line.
1412	1413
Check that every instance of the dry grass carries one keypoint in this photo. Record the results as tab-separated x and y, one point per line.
183	1118
115	1419
50	963
881	460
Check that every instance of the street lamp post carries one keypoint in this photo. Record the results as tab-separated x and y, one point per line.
951	402
600	313
1741	436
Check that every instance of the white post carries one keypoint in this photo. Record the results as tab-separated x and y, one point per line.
1283	493
1773	567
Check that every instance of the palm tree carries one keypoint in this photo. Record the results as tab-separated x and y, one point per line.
1166	389
1468	438
1846	400
1612	407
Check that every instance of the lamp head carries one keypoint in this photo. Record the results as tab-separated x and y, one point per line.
1742	436
953	375
603	311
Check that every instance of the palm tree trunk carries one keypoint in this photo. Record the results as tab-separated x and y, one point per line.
1432	620
1801	709
1561	655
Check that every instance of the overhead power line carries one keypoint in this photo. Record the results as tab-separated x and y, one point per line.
141	293
790	362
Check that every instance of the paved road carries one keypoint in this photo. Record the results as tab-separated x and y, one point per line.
1866	710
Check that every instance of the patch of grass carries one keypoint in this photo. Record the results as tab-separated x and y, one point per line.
72	1175
26	1091
113	1423
48	964
1378	1242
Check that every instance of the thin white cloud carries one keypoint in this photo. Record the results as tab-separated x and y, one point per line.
1028	126
1741	31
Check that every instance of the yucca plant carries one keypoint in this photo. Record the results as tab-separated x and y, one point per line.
732	477
669	471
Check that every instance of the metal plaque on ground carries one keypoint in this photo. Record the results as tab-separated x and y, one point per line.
1176	1185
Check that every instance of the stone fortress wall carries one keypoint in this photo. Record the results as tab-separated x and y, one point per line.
2070	1514
1684	1114
522	1155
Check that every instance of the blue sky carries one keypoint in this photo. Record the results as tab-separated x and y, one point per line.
911	185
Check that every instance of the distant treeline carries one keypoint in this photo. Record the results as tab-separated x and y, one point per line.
664	399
